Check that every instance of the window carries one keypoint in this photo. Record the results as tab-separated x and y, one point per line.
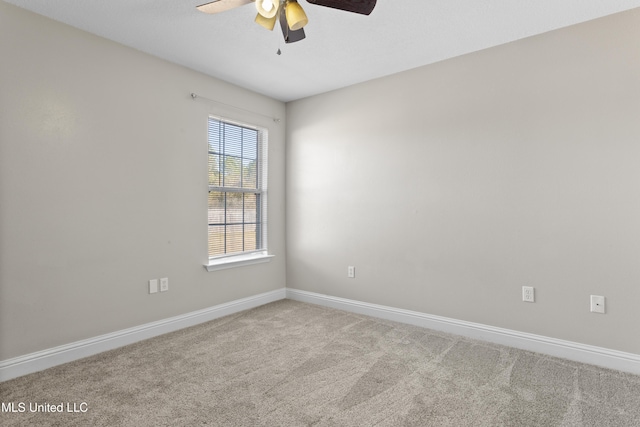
237	209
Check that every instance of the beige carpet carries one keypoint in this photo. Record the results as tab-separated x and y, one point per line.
295	364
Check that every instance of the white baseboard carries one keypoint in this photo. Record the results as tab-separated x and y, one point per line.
612	359
33	362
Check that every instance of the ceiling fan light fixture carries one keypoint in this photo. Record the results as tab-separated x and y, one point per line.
267	23
267	8
295	15
290	14
289	35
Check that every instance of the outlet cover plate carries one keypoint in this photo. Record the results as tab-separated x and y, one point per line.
597	304
164	284
528	294
153	286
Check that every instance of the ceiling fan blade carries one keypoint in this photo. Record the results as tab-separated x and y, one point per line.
218	6
364	7
290	36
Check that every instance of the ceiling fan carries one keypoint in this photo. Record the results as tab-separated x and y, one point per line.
289	12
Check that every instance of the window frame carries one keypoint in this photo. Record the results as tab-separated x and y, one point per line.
258	255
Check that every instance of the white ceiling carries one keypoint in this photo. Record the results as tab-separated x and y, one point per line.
341	48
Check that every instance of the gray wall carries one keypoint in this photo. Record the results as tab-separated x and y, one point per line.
103	186
452	185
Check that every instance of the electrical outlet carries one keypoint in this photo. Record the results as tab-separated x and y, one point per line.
351	271
528	294
153	286
597	304
164	284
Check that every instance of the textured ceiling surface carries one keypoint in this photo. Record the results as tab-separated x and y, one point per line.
340	49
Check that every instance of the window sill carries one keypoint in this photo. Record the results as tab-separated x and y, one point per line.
237	261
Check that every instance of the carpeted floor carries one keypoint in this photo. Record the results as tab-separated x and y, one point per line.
295	364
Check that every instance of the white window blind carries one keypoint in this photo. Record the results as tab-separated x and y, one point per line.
237	189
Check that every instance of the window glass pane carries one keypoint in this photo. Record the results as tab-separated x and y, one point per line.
214	169
232	172
250	144
234	208
216	240
216	207
250	237
215	141
233	140
250	208
234	238
249	174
